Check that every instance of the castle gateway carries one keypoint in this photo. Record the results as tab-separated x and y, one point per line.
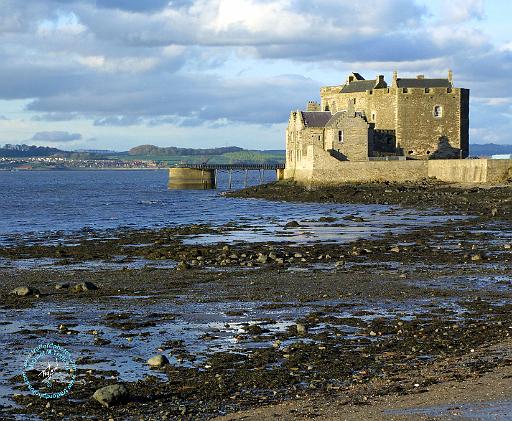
364	120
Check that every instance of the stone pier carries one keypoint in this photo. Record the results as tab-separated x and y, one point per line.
191	179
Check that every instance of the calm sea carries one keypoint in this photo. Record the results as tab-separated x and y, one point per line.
36	203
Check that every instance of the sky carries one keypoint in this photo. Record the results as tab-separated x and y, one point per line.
113	74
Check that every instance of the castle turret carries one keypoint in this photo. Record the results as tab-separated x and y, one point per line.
313	106
394	82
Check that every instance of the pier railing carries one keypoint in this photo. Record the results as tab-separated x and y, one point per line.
232	167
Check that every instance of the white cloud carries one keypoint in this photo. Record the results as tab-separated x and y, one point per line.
119	65
457	11
65	22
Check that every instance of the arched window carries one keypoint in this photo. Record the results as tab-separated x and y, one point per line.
438	111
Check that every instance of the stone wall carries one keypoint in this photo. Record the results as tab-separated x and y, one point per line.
348	137
320	168
471	170
323	169
419	133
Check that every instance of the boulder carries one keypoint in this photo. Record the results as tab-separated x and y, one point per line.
182	266
262	258
24	291
301	328
292	224
112	395
63	285
84	286
158	361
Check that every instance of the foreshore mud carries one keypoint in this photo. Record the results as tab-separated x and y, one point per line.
359	329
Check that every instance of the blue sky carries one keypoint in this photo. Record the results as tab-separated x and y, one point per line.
113	74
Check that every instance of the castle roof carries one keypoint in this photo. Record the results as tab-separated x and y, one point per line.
315	118
423	83
358	86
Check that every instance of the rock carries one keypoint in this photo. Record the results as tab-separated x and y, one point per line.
292	224
182	266
254	329
112	395
476	257
507	246
25	291
327	219
84	286
297	255
279	261
158	361
372	333
262	258
301	328
272	256
64	285
395	249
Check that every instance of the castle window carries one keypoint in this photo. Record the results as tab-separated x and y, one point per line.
326	107
374	116
341	136
438	111
427	90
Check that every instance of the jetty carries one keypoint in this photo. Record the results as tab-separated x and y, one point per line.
204	176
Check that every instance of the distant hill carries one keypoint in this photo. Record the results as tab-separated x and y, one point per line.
26	151
151	150
489	149
226	155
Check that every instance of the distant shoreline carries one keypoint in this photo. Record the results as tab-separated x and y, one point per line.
82	169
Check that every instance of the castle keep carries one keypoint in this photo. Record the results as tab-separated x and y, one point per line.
365	120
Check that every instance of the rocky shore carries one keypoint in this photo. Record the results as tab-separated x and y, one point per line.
276	330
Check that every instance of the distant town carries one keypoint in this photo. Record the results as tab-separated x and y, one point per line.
30	157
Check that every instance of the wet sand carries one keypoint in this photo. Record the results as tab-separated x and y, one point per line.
343	330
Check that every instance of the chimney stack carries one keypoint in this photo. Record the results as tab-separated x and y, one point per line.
380	82
450	77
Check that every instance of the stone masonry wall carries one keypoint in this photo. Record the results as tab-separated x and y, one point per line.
422	135
354	132
320	168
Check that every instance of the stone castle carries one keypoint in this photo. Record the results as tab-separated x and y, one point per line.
362	120
367	130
